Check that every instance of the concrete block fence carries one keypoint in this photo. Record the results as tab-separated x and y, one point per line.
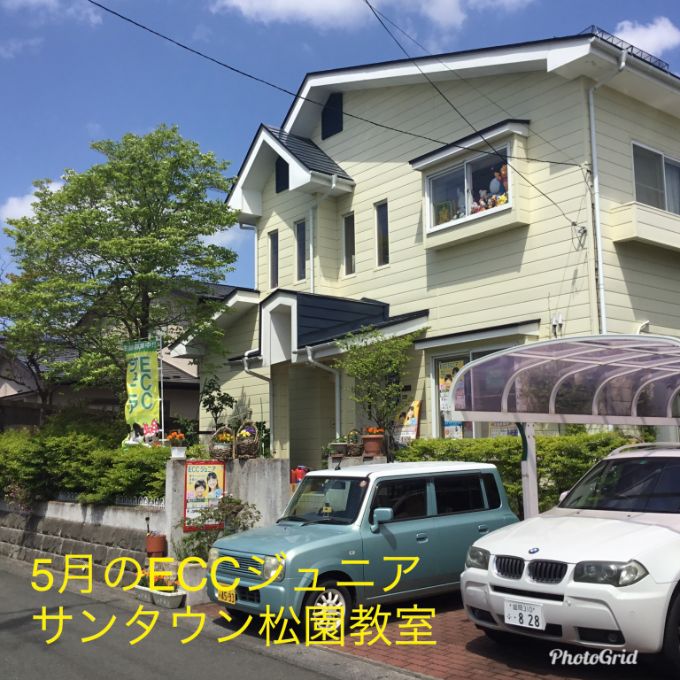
56	529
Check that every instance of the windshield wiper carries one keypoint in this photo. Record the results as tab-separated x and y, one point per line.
290	518
328	520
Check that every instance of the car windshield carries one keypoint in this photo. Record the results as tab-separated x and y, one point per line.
629	485
326	499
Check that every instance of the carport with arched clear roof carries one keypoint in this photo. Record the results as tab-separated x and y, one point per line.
604	379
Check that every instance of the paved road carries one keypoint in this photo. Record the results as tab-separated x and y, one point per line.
25	656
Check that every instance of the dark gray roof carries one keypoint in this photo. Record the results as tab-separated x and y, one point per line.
308	153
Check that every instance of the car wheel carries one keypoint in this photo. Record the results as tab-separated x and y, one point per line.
671	638
332	595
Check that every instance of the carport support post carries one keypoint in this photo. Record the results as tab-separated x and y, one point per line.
529	472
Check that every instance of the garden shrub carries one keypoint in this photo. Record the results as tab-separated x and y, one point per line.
561	461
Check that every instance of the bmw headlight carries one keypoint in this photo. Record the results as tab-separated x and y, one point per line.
213	554
477	558
610	573
271	566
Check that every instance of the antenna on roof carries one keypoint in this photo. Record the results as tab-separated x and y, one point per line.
622	44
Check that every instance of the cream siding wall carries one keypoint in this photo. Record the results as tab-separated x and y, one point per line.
642	281
528	272
241	335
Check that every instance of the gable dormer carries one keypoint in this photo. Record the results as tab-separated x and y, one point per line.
299	165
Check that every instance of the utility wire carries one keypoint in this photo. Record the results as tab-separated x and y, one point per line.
268	83
478	90
494	151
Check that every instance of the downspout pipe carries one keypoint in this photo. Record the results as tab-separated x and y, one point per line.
601	302
315	206
336	373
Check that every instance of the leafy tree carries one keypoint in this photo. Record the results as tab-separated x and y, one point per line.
378	366
118	252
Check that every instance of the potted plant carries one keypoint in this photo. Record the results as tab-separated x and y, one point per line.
177	442
142	590
373	441
171	596
338	447
378	366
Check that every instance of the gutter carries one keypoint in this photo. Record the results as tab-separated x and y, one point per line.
336	373
599	264
315	207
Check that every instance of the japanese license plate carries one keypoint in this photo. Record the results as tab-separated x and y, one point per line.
524	614
227	596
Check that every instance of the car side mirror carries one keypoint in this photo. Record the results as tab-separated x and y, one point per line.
380	516
563	495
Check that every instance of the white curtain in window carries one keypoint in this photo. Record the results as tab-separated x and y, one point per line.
673	187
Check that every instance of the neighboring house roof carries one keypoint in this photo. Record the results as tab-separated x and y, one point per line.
308	153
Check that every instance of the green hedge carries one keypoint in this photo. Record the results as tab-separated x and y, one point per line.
561	461
82	455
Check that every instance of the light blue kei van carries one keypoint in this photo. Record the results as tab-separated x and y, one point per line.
341	528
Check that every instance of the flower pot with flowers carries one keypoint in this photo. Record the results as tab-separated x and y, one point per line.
222	443
374	441
178	444
143	590
167	593
247	441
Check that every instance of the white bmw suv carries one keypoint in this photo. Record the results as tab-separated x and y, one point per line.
599	570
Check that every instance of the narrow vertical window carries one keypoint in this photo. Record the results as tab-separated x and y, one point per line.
383	237
331	116
349	244
301	246
281	175
273	259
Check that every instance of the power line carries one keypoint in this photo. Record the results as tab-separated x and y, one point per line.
460	113
295	95
479	91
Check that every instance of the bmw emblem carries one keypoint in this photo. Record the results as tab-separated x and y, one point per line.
533	551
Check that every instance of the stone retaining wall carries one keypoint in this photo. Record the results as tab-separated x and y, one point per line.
29	537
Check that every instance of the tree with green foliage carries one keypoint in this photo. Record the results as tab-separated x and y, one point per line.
118	252
378	366
215	401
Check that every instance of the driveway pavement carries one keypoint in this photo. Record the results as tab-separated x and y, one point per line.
463	652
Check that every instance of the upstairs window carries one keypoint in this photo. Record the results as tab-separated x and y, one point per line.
657	179
382	234
474	187
349	247
273	259
301	248
281	175
331	116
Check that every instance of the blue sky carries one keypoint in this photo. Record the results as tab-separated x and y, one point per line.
71	74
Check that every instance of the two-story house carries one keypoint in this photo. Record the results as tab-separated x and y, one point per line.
534	193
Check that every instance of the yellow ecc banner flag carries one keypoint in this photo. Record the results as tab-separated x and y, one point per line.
142	406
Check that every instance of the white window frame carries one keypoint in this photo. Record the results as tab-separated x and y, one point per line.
465	164
664	157
296	224
343	217
376	205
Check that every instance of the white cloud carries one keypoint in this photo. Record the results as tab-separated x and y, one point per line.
21	206
15	46
234	238
321	13
656	37
52	10
443	14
